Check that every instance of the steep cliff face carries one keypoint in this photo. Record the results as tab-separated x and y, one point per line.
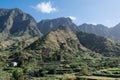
17	23
115	32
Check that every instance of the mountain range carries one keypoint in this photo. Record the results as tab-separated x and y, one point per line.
17	23
57	34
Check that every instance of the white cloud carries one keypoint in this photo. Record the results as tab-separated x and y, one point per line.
72	18
45	7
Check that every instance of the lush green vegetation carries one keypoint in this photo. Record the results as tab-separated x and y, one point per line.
99	44
61	55
34	66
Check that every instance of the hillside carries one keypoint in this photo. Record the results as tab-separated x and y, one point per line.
99	44
72	42
62	41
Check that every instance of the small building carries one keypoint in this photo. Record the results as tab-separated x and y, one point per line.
13	64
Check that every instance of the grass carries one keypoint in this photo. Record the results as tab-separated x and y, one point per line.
97	78
113	72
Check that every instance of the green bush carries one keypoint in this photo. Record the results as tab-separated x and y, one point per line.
18	75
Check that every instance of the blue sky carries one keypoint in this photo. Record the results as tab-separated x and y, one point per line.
105	12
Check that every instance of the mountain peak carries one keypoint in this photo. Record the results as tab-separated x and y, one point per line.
17	23
46	26
17	10
118	25
64	18
14	10
98	29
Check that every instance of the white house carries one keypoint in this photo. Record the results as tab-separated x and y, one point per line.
14	64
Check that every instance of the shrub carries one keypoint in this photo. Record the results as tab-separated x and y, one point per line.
18	75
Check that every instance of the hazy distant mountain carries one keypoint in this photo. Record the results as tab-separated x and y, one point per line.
115	32
96	29
17	23
46	26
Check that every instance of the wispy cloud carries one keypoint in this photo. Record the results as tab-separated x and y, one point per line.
45	7
72	18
